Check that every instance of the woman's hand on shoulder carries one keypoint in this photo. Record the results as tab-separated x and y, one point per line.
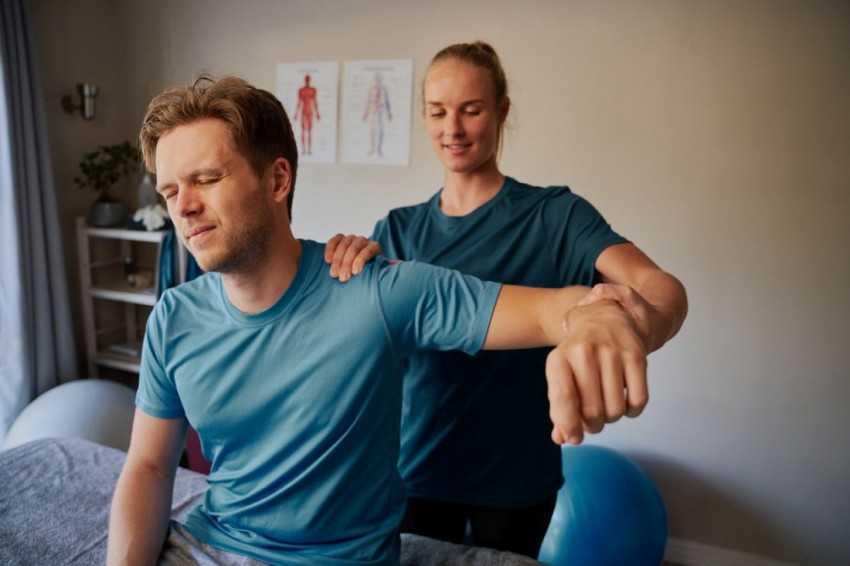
348	254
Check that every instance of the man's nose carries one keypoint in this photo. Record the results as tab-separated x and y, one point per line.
187	203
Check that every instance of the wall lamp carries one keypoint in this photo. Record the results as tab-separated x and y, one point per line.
87	93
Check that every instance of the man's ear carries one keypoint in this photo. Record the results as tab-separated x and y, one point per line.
282	175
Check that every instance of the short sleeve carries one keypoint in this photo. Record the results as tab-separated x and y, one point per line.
577	233
157	393
433	308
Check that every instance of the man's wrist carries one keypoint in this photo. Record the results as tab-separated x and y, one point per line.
615	308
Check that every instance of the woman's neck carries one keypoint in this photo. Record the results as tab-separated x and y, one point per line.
464	192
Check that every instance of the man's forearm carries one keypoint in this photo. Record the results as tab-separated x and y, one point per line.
528	317
139	517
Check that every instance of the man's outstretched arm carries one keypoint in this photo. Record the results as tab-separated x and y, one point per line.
600	362
597	371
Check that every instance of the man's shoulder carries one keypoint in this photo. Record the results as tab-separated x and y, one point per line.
203	290
200	285
393	275
381	266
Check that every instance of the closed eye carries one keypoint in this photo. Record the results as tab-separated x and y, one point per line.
207	180
167	191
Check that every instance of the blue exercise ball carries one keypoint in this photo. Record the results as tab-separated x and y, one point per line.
607	512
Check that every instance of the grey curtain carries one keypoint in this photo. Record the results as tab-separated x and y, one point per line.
47	341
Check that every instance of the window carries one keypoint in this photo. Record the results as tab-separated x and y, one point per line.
13	391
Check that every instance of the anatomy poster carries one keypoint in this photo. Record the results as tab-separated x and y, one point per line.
309	92
377	112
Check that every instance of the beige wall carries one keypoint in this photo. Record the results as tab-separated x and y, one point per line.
715	134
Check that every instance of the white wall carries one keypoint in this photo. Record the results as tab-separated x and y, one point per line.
715	134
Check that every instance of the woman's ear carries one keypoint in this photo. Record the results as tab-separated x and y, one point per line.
504	108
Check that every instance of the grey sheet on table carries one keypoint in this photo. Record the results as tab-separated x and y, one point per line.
54	509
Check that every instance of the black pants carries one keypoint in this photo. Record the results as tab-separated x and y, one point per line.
517	530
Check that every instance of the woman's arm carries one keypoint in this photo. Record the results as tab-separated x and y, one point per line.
656	299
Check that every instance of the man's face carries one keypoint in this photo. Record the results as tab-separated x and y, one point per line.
218	205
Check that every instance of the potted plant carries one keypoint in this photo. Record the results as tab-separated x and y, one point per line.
99	171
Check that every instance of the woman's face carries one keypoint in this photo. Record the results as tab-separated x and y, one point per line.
462	116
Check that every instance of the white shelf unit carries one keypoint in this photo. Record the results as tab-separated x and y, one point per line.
114	312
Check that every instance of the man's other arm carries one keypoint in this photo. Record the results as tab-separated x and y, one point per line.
141	506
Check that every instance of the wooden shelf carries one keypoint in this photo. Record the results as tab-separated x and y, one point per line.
125	234
115	360
125	294
102	279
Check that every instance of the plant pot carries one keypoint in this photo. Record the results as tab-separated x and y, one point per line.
106	214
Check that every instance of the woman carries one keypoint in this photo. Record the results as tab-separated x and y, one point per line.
475	444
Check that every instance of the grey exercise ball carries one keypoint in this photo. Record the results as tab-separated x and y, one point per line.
94	409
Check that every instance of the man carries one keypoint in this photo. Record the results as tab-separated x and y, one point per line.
292	378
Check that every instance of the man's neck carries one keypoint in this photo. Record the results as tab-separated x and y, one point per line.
257	290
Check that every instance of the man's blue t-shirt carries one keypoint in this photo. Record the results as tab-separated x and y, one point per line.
298	407
476	429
